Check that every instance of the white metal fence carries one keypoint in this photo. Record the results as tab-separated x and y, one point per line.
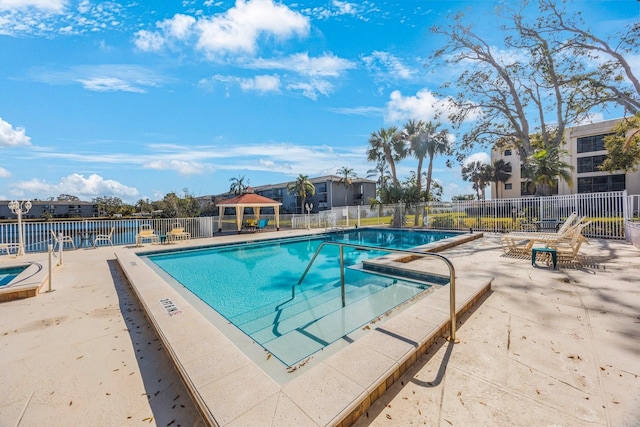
607	212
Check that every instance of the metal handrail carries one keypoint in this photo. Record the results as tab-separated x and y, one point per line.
452	274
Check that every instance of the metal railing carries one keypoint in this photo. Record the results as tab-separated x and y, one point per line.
608	213
452	274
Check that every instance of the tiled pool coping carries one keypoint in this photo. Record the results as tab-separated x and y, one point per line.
27	284
230	389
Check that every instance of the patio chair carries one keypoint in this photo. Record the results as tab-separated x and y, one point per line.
569	222
104	238
177	233
250	224
61	240
520	243
262	224
146	233
567	250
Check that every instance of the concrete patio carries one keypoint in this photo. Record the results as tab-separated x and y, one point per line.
545	347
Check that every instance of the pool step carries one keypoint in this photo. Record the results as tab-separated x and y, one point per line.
360	285
267	327
269	307
306	336
309	290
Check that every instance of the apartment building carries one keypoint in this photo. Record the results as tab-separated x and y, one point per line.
53	209
330	193
586	152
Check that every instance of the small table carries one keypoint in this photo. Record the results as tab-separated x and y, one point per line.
553	252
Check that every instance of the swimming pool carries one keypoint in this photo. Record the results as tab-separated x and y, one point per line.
255	286
7	274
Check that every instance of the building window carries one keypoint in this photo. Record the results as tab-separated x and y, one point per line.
590	164
508	186
599	184
507	152
527	189
591	143
523	170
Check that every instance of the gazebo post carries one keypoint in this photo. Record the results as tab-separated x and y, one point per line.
239	215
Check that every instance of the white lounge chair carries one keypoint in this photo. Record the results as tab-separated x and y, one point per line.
61	239
146	233
104	238
177	233
567	250
520	243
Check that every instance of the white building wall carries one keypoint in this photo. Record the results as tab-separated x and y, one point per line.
632	179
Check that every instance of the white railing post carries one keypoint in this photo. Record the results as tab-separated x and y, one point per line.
60	244
50	252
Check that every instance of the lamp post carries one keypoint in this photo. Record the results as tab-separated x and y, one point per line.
308	207
20	208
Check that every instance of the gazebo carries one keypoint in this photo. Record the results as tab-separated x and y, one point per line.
248	199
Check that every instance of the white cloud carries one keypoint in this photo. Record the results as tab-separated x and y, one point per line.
261	84
359	111
52	18
12	137
77	185
239	28
478	157
109	84
4	173
345	8
327	65
388	66
148	41
423	106
103	78
338	8
46	5
236	31
179	27
180	166
312	88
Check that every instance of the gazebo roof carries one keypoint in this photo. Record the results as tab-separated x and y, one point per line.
249	198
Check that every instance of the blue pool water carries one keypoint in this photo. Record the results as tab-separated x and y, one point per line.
255	286
7	274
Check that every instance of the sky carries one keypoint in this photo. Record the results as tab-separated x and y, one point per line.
139	98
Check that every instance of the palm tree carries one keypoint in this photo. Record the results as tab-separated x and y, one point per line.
500	172
380	172
544	167
425	140
388	144
347	175
302	188
237	186
437	143
479	174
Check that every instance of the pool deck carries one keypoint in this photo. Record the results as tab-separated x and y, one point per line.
543	347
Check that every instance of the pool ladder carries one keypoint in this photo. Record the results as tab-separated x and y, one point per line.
452	274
